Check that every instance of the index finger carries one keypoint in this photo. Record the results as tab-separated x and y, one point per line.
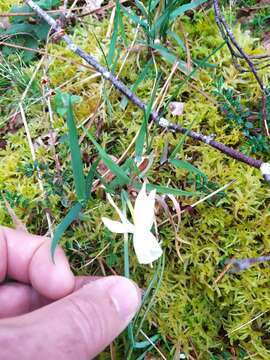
26	258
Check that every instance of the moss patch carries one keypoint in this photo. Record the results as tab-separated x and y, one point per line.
192	311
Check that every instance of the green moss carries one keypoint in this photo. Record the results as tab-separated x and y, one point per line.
191	309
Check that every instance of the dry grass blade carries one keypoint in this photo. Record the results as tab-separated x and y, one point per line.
220	276
96	257
212	194
177	209
154	345
247	323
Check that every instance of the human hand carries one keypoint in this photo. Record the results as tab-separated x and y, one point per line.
88	314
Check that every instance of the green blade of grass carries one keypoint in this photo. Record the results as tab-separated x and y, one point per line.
144	344
182	164
179	146
136	19
154	285
76	159
177	39
159	25
101	49
114	35
155	291
143	355
186	7
143	133
122	29
169	190
61	228
152	5
115	168
140	78
171	58
141	7
90	178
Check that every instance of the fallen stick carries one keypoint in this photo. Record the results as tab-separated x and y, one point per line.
161	121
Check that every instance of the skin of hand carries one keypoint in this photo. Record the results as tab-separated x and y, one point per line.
48	313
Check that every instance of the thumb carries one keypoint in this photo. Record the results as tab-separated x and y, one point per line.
77	327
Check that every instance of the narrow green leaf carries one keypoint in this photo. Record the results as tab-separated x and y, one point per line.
140	139
182	164
114	168
140	78
61	228
136	19
108	188
122	29
144	344
171	58
127	167
169	190
141	7
153	4
143	133
90	178
151	293
181	142
143	355
101	49
114	35
76	159
183	8
177	39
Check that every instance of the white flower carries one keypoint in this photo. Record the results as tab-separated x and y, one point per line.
145	243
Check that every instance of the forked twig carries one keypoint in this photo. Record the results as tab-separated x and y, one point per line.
160	121
238	53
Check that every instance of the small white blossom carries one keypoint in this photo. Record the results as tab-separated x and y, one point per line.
146	246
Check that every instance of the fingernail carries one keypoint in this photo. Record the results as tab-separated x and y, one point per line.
126	297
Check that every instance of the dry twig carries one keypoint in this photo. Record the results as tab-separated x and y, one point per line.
238	53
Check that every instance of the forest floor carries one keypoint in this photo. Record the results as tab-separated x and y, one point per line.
173	57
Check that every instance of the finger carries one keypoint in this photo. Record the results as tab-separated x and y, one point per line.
27	259
76	327
51	279
4	256
18	299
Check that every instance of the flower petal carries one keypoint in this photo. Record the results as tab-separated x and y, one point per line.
144	209
146	247
117	226
119	212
